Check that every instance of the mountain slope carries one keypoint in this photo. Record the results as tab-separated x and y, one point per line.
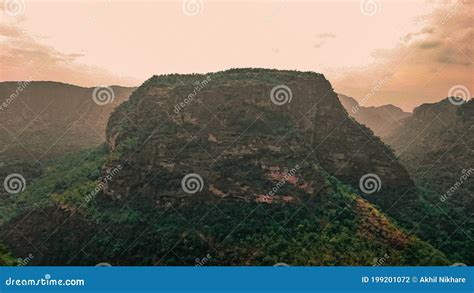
382	120
242	167
333	226
236	109
436	146
41	119
436	143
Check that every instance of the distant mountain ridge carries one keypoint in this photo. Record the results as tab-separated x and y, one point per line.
432	128
274	164
382	120
44	119
436	145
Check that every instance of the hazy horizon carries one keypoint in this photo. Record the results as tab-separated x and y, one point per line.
136	86
404	53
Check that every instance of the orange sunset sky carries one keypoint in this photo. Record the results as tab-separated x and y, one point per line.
401	52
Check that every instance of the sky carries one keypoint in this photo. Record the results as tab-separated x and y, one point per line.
378	51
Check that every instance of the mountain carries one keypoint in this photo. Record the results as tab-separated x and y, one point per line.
43	120
436	146
382	120
241	167
209	118
333	226
433	127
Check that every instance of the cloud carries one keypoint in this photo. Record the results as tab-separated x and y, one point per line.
430	44
448	36
322	39
24	58
425	64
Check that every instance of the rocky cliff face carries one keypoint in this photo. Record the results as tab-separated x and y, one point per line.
226	128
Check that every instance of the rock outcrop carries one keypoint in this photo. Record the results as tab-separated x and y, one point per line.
259	117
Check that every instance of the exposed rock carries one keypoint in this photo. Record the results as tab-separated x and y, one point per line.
314	126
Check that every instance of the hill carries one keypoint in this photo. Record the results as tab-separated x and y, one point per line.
241	167
435	145
42	119
381	120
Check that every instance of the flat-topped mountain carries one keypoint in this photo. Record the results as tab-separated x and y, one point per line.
241	167
382	119
208	123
